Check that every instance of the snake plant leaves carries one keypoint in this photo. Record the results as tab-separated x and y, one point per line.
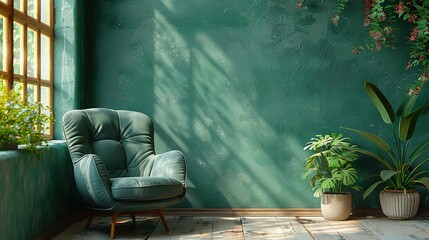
407	125
381	103
387	174
407	105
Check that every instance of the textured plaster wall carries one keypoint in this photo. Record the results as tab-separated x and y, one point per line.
240	86
36	192
69	63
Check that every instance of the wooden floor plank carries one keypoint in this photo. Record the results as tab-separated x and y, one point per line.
100	229
296	228
293	229
353	230
193	228
159	232
262	228
227	228
388	229
320	229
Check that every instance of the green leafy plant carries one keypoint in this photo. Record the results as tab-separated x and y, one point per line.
330	166
404	168
22	122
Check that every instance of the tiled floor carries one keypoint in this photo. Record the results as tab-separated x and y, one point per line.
364	228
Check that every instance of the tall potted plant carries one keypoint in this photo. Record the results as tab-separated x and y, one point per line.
404	168
331	171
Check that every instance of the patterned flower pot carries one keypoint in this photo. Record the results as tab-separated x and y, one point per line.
336	207
397	205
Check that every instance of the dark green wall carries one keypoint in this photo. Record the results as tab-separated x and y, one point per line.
36	192
240	86
69	66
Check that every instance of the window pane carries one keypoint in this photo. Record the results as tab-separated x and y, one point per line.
18	4
31	54
31	8
45	97
17	86
2	44
45	11
18	47
31	93
45	56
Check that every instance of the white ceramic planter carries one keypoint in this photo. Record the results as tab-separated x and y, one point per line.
336	207
397	205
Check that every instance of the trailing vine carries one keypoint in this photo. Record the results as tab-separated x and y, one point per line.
381	19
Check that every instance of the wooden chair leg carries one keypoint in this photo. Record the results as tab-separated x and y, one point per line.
90	218
133	217
164	220
112	227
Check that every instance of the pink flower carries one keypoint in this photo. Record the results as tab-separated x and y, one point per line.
367	7
412	18
424	77
298	5
335	19
400	8
408	66
414	34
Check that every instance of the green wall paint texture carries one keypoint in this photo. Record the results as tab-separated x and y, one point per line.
240	86
36	192
68	58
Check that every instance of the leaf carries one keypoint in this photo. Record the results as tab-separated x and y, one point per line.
407	105
327	183
417	149
407	125
373	138
381	103
424	108
376	157
371	189
424	181
387	174
349	176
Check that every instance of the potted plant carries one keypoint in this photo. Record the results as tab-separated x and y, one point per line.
331	171
404	167
22	122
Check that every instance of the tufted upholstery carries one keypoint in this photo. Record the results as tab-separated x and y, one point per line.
116	168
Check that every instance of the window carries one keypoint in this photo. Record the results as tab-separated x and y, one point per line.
26	40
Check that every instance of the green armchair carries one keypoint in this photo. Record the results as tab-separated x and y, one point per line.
116	169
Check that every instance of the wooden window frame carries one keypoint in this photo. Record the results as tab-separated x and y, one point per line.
12	15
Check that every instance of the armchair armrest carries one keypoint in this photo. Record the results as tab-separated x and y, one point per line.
93	182
171	164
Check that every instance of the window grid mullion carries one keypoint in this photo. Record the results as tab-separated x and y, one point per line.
9	42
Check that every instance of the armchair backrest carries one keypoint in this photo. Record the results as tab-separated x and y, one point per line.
122	139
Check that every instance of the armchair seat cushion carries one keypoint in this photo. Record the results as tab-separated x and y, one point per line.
145	188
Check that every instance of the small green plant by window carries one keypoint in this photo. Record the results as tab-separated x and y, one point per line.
22	122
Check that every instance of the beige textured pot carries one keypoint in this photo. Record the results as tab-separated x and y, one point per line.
397	205
336	207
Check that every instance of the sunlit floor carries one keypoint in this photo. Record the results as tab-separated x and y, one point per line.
361	228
